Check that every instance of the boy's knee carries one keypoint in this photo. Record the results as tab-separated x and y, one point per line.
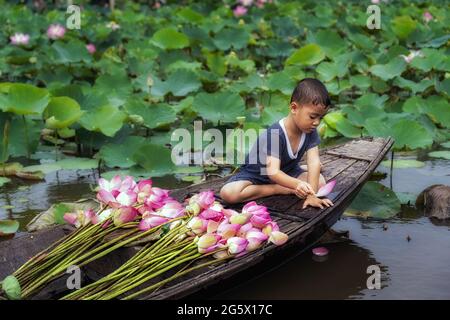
228	195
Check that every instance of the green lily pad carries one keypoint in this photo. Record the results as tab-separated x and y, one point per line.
429	59
415	87
8	227
227	38
281	81
170	38
120	155
330	42
216	62
392	69
62	112
11	287
221	106
58	212
375	201
403	26
406	197
180	83
70	52
25	99
4	180
328	71
403	163
106	119
446	144
189	170
155	159
308	55
154	115
64	164
193	179
10	169
440	154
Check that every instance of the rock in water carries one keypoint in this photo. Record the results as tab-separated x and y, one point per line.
436	201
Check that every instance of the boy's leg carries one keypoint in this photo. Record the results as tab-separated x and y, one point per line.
244	190
304	176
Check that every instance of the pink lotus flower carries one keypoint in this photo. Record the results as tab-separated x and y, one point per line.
151	221
256	234
56	31
227	230
91	48
81	218
229	212
278	238
113	185
171	209
326	189
197	225
212	226
208	242
252	208
239	11
210	214
123	215
260	221
157	198
127	184
260	3
270	227
90	216
126	198
19	39
239	219
72	219
143	189
236	245
427	16
204	199
244	229
410	57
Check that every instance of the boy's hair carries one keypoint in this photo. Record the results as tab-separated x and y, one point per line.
312	91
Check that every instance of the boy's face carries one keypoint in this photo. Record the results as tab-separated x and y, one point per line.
307	116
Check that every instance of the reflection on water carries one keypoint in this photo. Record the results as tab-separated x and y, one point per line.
414	269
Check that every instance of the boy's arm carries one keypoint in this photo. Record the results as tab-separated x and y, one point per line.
313	163
278	176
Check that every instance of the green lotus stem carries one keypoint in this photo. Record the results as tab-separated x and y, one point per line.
121	271
163	282
27	139
142	278
5	145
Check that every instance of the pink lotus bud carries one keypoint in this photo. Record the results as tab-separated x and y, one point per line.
105	214
210	214
410	57
208	242
212	226
19	39
90	216
113	185
91	48
259	221
427	16
254	209
229	212
239	11
257	234
56	31
326	189
105	197
270	227
197	225
244	229
123	215
253	244
204	199
72	219
193	209
127	184
221	254
157	198
236	245
227	231
151	222
239	219
171	209
278	238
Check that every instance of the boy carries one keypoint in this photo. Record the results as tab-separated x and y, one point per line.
281	148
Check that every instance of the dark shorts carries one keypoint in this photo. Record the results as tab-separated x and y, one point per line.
259	179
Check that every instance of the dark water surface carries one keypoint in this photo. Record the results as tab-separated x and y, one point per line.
418	268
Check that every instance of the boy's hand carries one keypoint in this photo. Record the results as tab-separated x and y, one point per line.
313	201
304	189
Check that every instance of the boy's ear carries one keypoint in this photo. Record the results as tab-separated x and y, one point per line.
294	106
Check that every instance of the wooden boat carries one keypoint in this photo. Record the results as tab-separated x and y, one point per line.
350	164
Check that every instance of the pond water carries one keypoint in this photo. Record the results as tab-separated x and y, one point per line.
412	252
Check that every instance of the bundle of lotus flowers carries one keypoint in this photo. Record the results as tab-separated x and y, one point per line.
208	230
185	233
138	210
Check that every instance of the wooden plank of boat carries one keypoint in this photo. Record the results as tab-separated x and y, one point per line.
350	172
